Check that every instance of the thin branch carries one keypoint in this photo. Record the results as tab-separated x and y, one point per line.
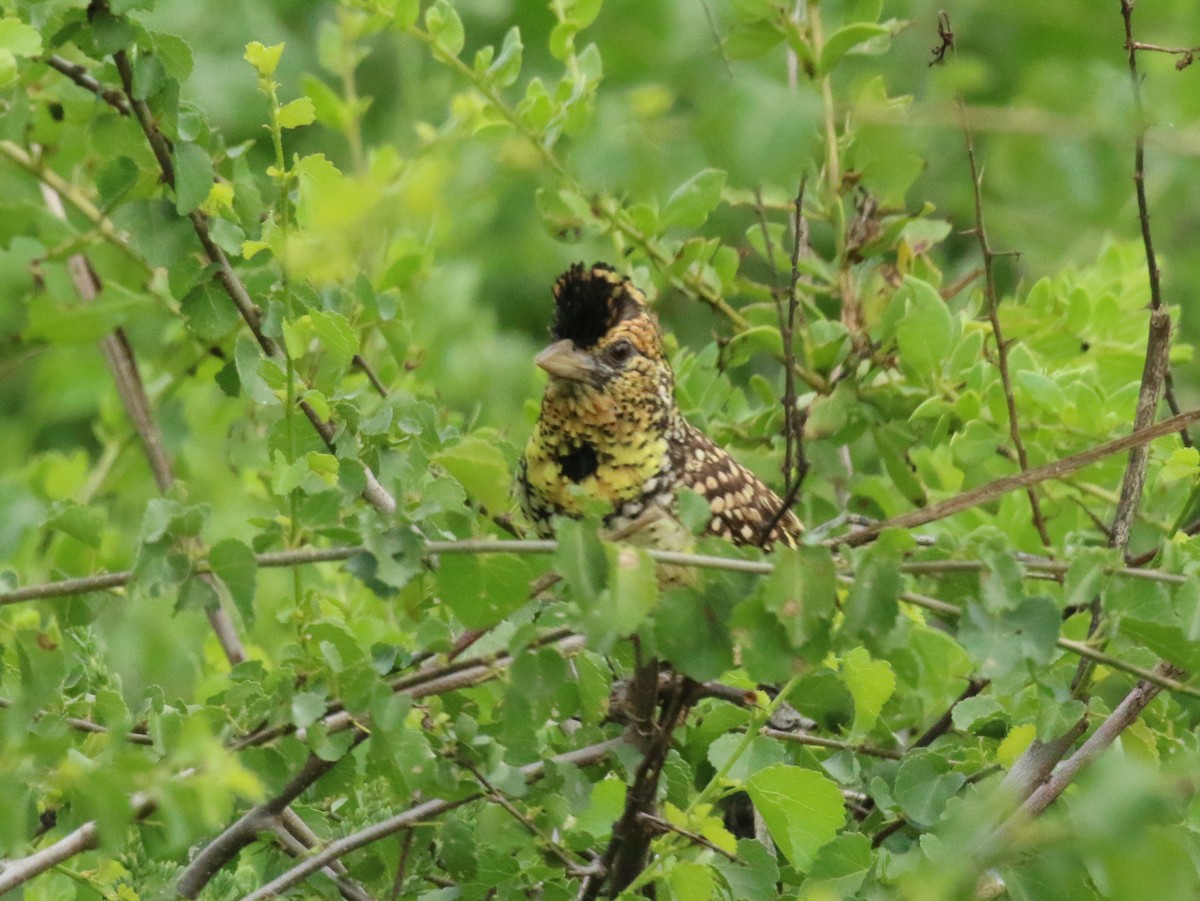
817	741
991	295
305	556
413	816
572	866
1058	469
295	848
82	77
696	839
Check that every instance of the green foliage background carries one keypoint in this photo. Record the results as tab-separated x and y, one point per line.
425	172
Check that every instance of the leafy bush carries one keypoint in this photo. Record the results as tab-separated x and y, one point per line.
268	371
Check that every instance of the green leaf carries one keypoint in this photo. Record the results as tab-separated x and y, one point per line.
483	590
691	882
871	607
263	59
692	202
406	12
159	234
193	177
208	312
1002	642
18	38
871	683
247	356
82	523
296	113
840	869
479	466
507	66
336	334
307	708
758	339
580	560
110	33
750	40
925	331
233	563
803	810
445	26
846	39
620	609
924	783
761	753
754	873
801	592
970	711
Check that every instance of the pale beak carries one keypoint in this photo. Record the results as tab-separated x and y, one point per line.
563	360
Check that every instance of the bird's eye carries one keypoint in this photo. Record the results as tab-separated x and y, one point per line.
620	352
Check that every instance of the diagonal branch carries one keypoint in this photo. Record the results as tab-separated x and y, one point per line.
993	311
118	354
418	813
1058	469
226	846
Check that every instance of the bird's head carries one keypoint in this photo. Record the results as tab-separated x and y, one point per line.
607	343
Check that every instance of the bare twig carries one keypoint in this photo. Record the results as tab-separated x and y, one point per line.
795	462
945	40
991	295
664	826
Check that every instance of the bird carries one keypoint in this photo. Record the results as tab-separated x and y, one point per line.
610	432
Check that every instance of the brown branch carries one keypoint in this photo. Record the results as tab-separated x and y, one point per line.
1125	715
993	310
414	815
1057	469
118	354
795	461
80	75
226	846
336	872
664	826
14	873
625	857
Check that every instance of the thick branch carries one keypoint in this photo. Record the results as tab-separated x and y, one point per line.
424	811
18	872
226	846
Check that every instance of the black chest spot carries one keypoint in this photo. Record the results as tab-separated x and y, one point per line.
579	462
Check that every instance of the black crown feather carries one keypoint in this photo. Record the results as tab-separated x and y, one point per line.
589	302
